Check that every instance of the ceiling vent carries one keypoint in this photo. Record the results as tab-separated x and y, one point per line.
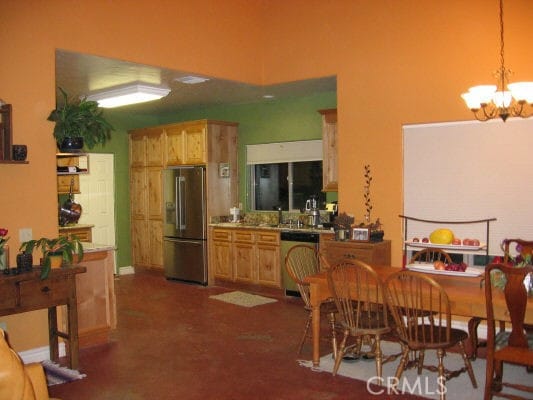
191	80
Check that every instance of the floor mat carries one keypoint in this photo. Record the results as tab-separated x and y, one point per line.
56	374
243	299
426	385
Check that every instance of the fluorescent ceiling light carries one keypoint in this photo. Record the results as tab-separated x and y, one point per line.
128	94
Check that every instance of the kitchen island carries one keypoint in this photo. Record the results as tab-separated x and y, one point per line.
97	315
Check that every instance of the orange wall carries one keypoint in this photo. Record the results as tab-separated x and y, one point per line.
397	61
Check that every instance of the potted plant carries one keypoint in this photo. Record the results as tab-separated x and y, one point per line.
54	251
79	123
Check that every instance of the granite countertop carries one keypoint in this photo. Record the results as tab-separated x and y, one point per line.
283	227
95	247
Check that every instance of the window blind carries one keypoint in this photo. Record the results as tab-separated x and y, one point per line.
270	153
468	171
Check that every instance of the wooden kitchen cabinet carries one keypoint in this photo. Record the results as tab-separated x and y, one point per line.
146	149
268	259
222	257
246	256
186	144
329	150
373	253
151	150
69	167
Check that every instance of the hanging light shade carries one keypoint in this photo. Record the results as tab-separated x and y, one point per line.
494	101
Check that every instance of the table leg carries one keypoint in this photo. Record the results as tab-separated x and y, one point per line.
315	310
52	334
72	310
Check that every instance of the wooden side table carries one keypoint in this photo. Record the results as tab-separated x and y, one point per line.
27	292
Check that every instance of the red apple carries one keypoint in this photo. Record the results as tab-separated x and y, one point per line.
467	242
456	241
425	240
474	242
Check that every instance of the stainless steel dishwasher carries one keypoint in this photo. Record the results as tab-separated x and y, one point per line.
290	239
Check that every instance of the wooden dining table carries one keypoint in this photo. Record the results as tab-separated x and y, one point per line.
466	295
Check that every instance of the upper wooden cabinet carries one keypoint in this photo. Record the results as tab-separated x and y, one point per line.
329	146
146	147
186	144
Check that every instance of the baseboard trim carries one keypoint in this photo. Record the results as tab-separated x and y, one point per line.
129	270
39	354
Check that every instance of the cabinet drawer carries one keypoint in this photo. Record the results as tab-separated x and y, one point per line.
268	237
222	235
63	183
243	236
45	293
9	295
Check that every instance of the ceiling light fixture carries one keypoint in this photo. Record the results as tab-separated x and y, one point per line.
493	101
132	93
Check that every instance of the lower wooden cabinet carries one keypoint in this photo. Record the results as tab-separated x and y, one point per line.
373	253
83	233
246	256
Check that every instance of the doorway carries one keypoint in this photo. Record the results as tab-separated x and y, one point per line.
97	198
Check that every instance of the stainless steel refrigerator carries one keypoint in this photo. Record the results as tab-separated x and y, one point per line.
185	225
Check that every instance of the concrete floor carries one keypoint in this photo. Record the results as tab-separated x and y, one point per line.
173	342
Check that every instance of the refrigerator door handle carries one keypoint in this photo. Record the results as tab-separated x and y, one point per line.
181	223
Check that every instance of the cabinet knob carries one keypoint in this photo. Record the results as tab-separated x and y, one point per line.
45	289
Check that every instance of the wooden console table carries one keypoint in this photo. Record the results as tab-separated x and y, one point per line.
27	292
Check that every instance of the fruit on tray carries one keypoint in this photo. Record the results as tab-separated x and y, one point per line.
441	236
456	267
416	240
461	267
456	241
425	240
439	265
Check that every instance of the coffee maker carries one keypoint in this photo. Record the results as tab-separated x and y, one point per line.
311	208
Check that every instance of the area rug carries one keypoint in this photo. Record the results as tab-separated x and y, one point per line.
425	385
243	299
56	374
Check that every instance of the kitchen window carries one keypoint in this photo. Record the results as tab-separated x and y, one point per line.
284	174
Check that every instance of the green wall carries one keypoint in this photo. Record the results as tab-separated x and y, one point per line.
263	122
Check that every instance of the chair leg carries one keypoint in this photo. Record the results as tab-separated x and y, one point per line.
468	365
379	358
340	353
473	324
442	376
306	330
420	360
401	366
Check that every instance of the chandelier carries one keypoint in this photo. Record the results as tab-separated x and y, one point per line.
493	101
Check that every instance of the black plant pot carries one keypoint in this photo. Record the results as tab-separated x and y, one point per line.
71	145
24	262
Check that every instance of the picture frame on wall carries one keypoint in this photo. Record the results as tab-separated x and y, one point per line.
5	132
361	234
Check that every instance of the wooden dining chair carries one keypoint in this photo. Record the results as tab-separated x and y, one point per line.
523	248
507	347
421	312
358	295
429	255
302	261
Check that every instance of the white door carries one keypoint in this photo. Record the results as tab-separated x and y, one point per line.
97	198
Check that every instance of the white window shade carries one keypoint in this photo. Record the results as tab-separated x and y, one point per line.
270	153
465	171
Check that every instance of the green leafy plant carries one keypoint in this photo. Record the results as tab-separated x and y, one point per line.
80	118
62	246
